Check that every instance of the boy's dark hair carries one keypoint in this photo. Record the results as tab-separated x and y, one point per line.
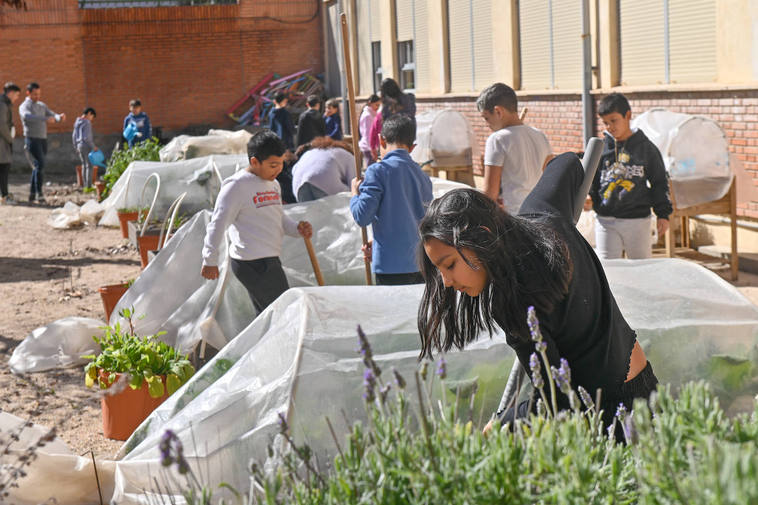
399	129
313	100
263	144
89	110
135	103
10	86
280	96
333	102
526	264
615	102
32	86
373	98
497	94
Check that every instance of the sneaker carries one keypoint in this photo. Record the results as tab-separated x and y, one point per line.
41	199
9	199
3	200
31	198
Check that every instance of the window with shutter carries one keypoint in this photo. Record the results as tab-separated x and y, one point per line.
643	42
692	41
375	28
484	74
536	46
421	45
461	60
567	44
365	70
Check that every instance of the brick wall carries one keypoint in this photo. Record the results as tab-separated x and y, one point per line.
560	117
187	64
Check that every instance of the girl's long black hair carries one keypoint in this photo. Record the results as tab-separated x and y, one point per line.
526	264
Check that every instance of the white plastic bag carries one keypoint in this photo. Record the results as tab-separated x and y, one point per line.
65	217
59	344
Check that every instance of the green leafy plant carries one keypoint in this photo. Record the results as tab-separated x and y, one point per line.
149	150
144	359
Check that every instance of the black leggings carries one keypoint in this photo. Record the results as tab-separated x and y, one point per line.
4	169
639	387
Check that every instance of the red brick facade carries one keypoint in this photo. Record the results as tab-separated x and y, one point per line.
560	117
187	64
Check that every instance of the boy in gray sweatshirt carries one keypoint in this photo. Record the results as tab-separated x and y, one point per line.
35	115
84	142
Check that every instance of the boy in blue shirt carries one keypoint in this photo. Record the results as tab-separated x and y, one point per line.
393	198
140	120
280	121
332	119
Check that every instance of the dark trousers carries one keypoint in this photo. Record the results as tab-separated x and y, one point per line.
263	278
399	279
36	150
4	169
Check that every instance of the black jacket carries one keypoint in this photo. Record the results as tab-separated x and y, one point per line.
631	179
6	123
309	126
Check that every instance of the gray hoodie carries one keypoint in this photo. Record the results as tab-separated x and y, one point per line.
34	116
83	133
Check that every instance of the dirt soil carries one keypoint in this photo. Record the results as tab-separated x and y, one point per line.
47	274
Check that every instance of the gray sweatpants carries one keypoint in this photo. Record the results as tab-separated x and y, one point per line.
614	235
84	150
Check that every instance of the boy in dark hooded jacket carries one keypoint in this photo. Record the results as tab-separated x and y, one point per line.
630	180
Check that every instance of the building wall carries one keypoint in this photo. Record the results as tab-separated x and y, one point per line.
729	97
187	64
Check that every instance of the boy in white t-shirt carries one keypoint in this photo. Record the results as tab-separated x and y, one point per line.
515	154
250	205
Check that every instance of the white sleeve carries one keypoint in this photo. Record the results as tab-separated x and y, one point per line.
494	151
224	213
289	225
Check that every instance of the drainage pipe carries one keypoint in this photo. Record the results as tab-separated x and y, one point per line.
587	116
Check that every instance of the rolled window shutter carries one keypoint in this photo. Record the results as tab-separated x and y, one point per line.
483	46
459	18
374	19
404	20
421	46
567	44
692	41
365	78
534	25
642	40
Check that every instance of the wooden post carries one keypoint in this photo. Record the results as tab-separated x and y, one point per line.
353	124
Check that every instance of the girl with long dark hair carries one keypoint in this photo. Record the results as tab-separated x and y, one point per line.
483	267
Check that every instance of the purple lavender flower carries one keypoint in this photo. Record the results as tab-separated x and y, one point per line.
366	353
399	380
369	381
621	412
566	369
540	346
423	371
283	426
165	448
534	324
383	392
442	368
586	398
630	431
534	366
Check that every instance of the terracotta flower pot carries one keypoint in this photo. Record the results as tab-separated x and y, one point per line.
125	217
146	243
124	411
111	294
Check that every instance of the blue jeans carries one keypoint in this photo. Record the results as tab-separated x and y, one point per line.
35	150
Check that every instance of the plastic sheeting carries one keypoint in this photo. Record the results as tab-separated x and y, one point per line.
445	138
56	345
71	215
302	350
695	151
196	177
185	147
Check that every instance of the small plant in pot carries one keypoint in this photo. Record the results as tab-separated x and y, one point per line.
126	214
136	373
111	294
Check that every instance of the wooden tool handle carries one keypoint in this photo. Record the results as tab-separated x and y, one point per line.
314	261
